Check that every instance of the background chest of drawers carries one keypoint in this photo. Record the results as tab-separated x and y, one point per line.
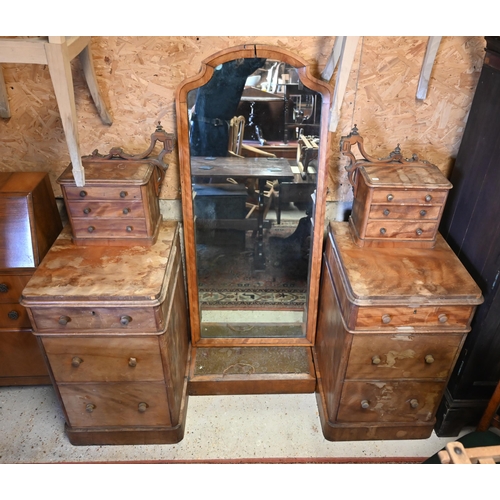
112	323
391	325
29	224
118	205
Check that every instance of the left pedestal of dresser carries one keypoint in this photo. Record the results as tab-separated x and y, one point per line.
29	224
112	323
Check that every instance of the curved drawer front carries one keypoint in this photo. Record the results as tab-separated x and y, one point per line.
409	196
115	209
107	193
414	212
11	287
109	228
116	405
400	229
402	356
444	317
60	320
14	317
114	359
389	401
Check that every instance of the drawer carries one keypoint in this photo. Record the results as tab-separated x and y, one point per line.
389	401
60	320
415	212
116	359
107	193
116	209
116	404
11	287
401	229
109	228
402	356
14	317
409	196
440	317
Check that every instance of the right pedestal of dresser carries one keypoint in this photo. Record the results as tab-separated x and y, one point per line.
392	321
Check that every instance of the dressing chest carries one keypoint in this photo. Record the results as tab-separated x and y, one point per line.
112	324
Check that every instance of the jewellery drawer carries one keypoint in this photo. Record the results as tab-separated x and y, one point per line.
445	317
13	317
402	356
109	228
11	287
389	401
415	212
116	404
409	196
59	320
116	209
111	359
103	193
400	229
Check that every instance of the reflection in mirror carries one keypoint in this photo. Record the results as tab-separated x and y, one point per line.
254	142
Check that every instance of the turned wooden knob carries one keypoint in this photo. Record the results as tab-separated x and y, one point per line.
423	212
132	362
386	212
443	318
76	361
365	404
390	197
83	194
64	320
13	315
142	407
383	230
125	320
386	319
91	229
123	194
89	407
126	211
87	210
414	403
429	359
428	198
376	360
4	288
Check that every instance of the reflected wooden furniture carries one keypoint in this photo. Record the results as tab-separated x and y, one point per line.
112	323
29	224
391	324
455	453
57	52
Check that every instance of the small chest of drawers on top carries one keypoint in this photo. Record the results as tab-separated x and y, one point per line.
112	323
391	324
29	224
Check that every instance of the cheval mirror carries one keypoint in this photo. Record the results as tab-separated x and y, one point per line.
253	138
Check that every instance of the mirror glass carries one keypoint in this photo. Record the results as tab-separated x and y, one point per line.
254	143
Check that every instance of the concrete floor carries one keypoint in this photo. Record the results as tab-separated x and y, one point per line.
217	428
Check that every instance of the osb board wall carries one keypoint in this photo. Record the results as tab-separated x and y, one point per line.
138	77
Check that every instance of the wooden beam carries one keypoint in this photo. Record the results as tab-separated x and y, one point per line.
425	73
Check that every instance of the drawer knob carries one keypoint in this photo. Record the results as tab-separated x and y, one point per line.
142	407
89	407
83	194
13	315
87	210
125	320
64	320
376	360
123	194
129	229
423	213
386	212
4	288
428	198
390	197
419	231
443	318
383	230
429	359
386	319
414	403
91	229
126	211
76	361
132	362
365	404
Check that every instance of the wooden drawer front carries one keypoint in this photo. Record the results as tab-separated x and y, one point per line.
414	212
11	287
80	319
409	197
399	229
13	317
389	401
116	404
402	356
445	317
116	359
116	209
107	193
109	228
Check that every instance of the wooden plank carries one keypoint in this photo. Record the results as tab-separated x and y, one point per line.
425	74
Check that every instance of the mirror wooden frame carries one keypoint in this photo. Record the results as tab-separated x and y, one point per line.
323	88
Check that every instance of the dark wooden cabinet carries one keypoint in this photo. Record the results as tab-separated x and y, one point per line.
471	226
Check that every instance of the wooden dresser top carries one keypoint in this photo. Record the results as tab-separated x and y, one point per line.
105	275
402	275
